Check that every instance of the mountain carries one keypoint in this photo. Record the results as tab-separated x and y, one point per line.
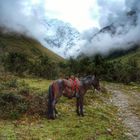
14	42
133	53
61	36
131	50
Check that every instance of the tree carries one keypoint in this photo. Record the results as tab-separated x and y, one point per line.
44	67
16	62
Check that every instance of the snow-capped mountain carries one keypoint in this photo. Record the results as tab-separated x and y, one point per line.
61	36
65	40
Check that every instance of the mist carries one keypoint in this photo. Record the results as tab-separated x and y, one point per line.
19	16
120	23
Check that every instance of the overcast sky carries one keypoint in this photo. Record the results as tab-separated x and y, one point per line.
81	14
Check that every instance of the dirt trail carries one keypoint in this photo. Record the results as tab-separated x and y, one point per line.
131	121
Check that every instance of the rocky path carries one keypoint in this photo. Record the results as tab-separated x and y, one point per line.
131	121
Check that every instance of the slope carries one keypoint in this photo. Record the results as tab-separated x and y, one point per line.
13	42
127	55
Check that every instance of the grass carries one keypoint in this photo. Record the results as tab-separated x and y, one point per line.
132	55
100	122
38	85
97	124
30	47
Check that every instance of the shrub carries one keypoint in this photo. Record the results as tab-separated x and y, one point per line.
12	105
16	62
12	83
23	88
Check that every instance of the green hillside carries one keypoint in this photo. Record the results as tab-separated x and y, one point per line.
21	44
131	55
126	55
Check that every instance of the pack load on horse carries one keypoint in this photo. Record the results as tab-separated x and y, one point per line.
70	88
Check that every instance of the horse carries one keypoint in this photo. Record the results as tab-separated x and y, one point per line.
65	87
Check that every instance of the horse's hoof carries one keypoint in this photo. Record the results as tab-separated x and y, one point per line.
81	115
50	117
78	114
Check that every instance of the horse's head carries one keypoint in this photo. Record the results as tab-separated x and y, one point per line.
95	82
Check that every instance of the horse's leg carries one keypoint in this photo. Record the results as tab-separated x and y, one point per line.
50	102
56	112
81	106
51	114
53	109
77	106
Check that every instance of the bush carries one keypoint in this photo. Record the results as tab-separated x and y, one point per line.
113	71
23	88
15	115
44	67
12	105
16	62
37	105
16	100
12	83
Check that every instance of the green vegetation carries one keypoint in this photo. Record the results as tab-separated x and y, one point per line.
18	98
100	122
38	85
16	43
19	64
24	56
23	101
131	55
115	70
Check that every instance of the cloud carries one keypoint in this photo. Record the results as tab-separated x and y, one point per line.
21	16
25	17
88	16
76	12
122	19
32	17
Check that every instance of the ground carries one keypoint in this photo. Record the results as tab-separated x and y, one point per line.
127	99
104	118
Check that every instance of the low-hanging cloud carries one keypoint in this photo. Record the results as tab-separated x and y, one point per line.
29	17
121	20
20	16
25	17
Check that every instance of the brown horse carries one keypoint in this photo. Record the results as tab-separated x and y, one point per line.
65	87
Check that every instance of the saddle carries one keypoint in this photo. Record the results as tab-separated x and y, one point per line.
74	87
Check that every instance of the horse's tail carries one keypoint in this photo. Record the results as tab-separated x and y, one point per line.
50	101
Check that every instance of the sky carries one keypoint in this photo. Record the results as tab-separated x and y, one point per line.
86	16
81	14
